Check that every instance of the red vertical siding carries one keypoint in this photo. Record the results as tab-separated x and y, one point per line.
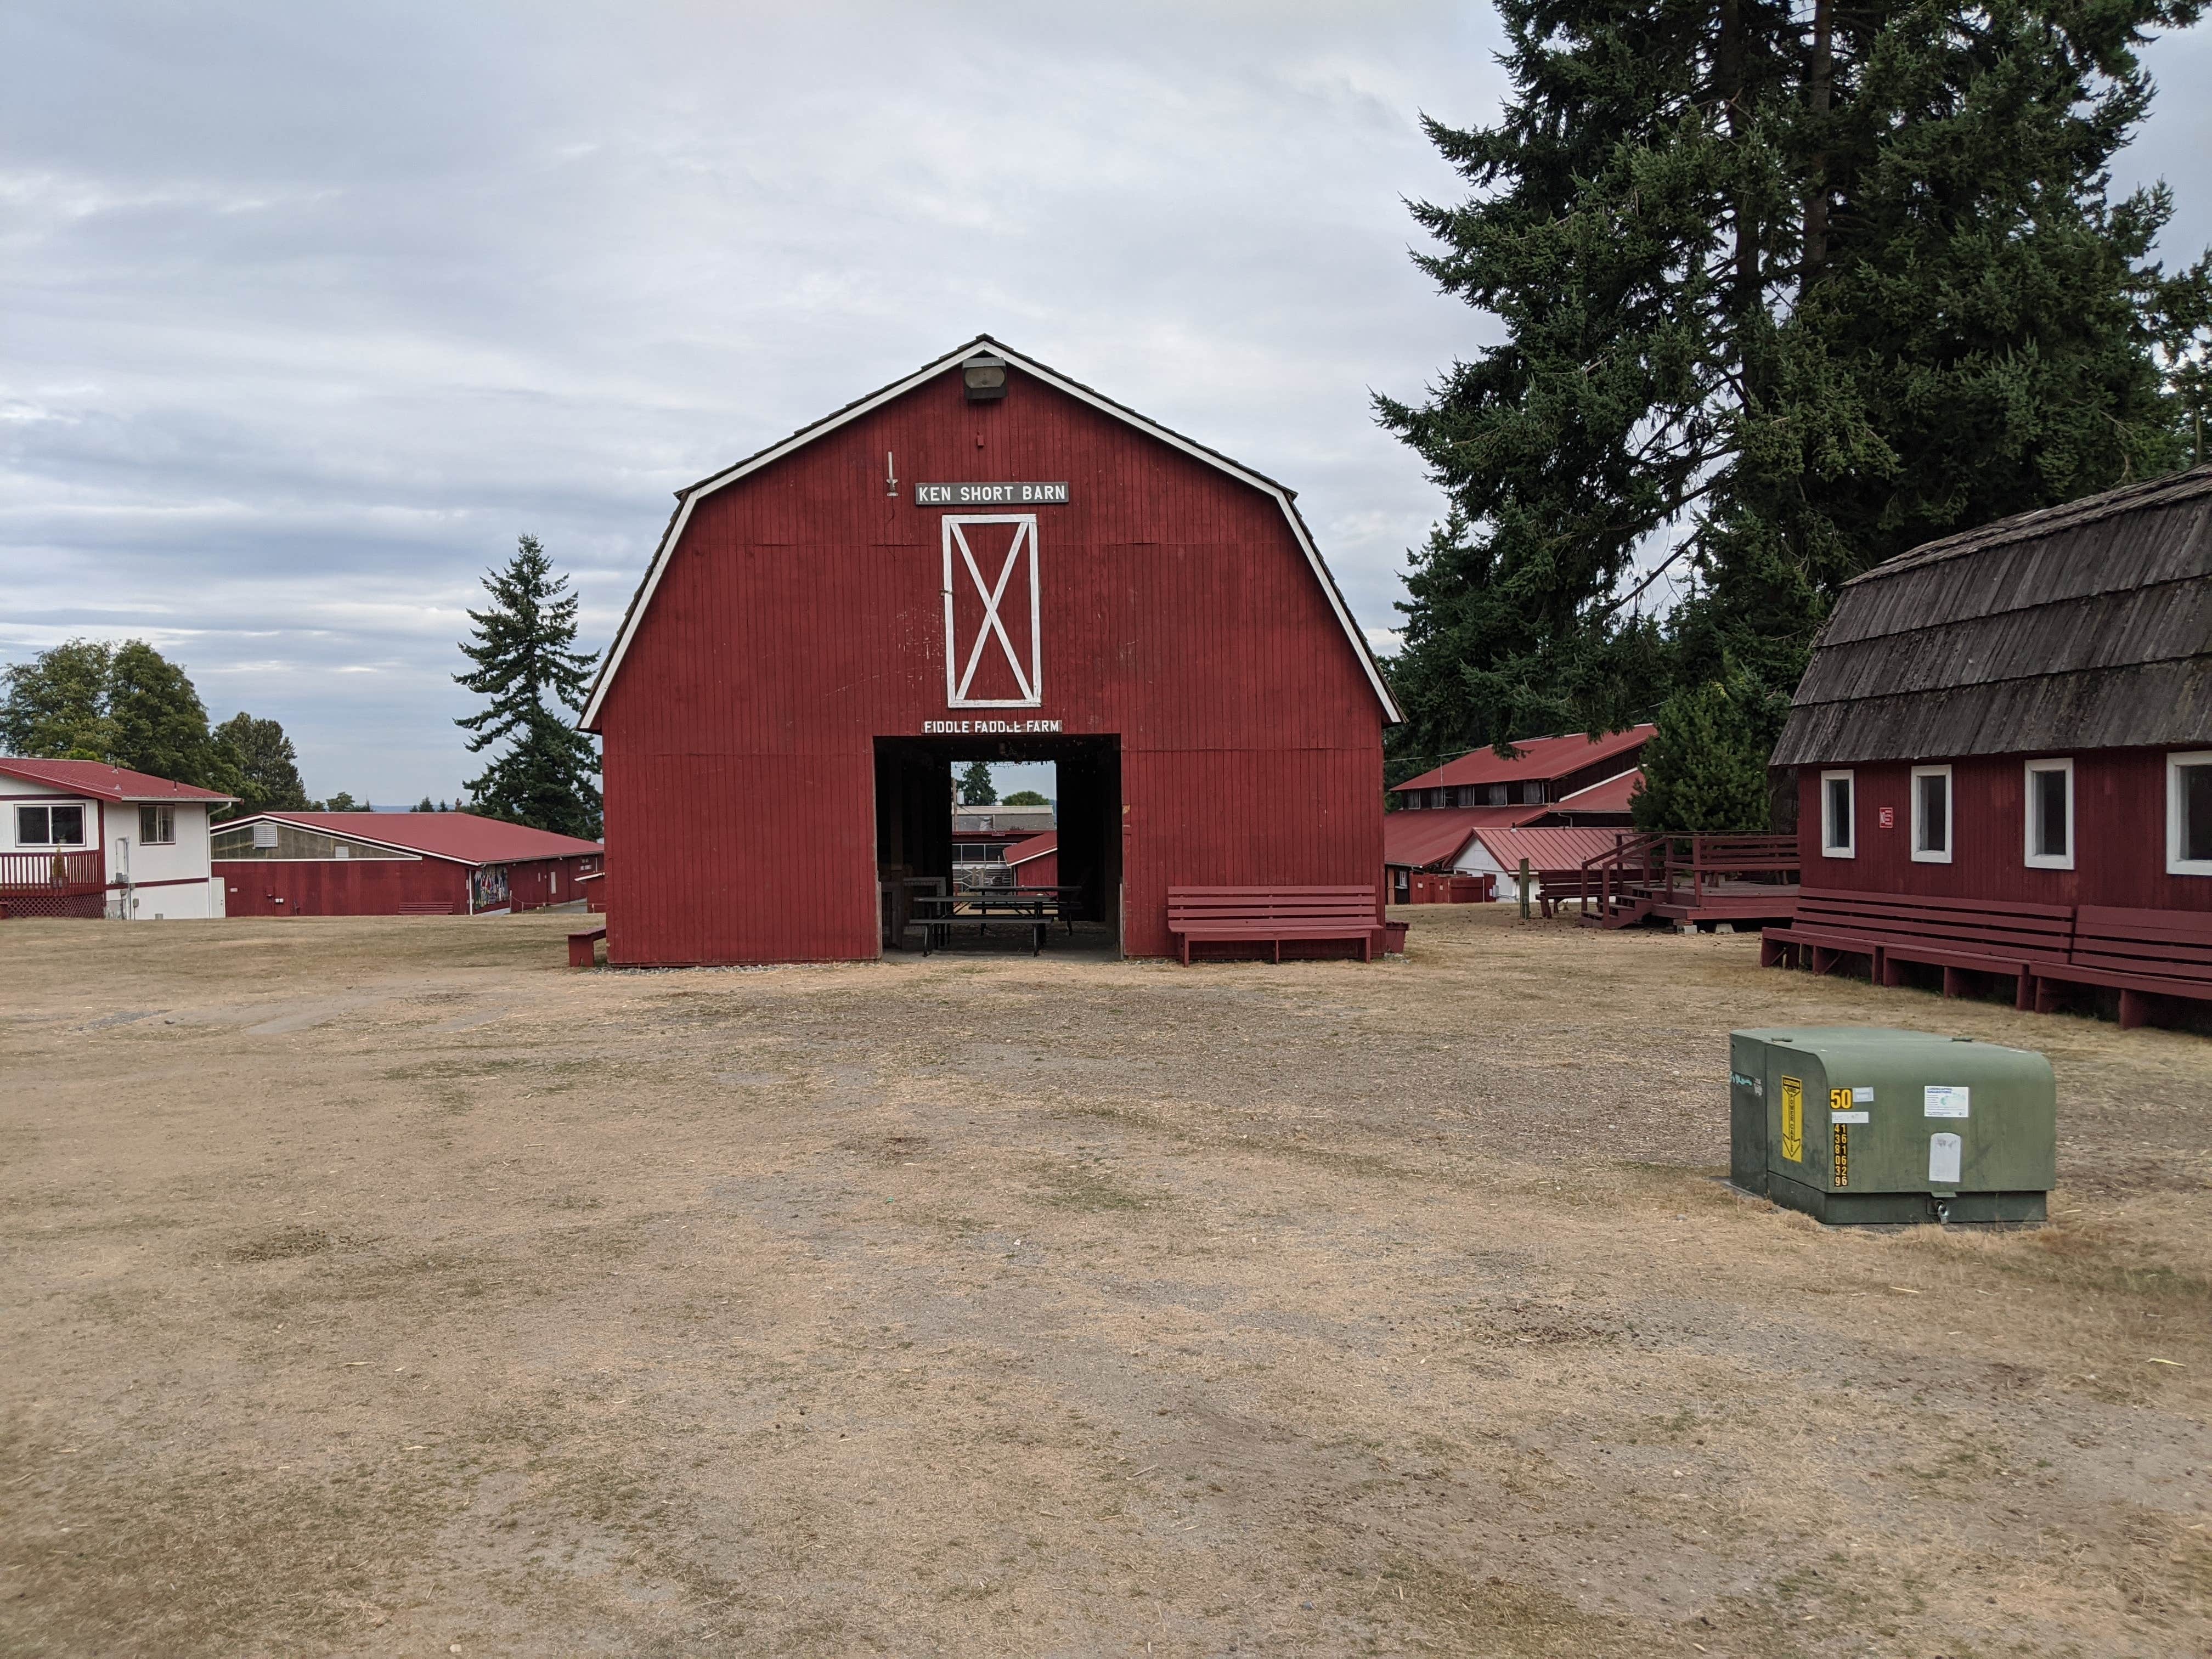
2119	834
339	887
802	615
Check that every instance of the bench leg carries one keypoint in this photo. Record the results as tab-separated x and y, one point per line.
1823	958
2132	1011
1953	984
1278	952
1769	951
2023	991
1186	950
2047	996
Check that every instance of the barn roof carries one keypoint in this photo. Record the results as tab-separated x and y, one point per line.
1416	841
691	494
458	837
104	782
1546	849
1614	794
1025	851
2085	626
1538	757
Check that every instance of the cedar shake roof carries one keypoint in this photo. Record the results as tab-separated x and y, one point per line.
2086	626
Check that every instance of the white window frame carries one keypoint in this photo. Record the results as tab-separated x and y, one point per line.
1950	814
1848	848
158	813
2175	864
83	813
2046	860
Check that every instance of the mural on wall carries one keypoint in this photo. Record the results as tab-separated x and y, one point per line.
487	887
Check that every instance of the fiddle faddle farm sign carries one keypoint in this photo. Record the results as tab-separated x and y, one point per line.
990	495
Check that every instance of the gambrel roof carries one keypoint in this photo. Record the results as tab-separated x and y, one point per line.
2085	626
690	495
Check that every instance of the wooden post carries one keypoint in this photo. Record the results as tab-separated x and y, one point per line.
1523	878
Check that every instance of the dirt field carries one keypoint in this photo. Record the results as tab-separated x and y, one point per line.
383	1287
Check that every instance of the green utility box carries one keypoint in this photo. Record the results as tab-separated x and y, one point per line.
1852	1123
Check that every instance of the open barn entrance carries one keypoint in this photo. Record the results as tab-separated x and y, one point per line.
927	901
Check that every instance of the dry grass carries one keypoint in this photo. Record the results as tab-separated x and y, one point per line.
376	1287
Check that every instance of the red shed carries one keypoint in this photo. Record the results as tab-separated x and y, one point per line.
984	560
1036	862
395	863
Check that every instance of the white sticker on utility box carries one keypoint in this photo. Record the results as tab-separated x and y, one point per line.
1943	1160
1946	1100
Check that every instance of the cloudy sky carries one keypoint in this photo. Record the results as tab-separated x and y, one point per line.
306	311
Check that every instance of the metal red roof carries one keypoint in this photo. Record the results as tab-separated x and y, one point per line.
1547	849
1034	847
104	782
1418	840
1541	757
1611	796
462	837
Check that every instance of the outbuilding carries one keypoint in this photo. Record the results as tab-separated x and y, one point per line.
2003	748
396	864
82	838
984	560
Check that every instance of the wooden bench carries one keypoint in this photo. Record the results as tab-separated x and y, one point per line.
2018	941
2142	953
581	953
1273	916
425	907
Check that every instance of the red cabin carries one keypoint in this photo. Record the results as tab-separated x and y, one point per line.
984	560
2003	751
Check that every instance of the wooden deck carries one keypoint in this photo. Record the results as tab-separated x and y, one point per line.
1692	881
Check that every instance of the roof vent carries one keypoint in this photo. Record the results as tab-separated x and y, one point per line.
985	377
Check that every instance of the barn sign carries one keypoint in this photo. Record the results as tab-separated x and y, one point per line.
990	495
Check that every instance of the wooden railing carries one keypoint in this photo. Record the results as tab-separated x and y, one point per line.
51	873
1653	866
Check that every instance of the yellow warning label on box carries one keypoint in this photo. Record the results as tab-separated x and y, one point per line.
1793	1120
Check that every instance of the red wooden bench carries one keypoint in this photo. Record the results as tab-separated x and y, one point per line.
425	907
1984	936
1273	916
580	952
2140	952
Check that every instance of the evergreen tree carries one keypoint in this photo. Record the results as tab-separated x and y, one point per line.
1704	770
56	707
976	788
528	670
265	764
1785	290
341	802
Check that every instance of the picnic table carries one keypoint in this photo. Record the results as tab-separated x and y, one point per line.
1037	908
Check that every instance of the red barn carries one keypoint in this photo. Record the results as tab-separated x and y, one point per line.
984	560
395	863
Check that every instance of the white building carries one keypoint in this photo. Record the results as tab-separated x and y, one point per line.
81	838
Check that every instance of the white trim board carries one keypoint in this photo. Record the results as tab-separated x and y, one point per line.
674	534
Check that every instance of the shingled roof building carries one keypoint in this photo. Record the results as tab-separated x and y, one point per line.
2022	712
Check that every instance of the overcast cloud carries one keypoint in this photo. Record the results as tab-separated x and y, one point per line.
305	312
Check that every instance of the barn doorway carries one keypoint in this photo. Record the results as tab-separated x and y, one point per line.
915	861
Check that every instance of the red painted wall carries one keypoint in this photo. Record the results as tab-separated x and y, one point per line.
802	615
1042	871
2119	835
379	887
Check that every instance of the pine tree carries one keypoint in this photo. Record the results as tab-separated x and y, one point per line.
528	670
265	764
976	788
1704	770
1785	290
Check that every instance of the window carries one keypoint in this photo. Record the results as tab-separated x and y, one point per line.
1496	795
49	826
1931	815
2189	814
2051	814
157	826
1837	816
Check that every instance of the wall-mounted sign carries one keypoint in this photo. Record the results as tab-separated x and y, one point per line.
990	495
987	728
